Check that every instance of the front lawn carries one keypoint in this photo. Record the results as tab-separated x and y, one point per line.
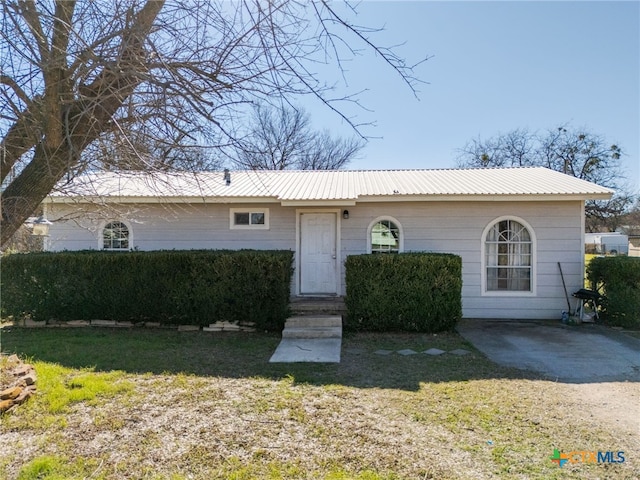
158	404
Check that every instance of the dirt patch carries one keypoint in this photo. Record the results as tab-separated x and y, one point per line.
220	410
612	406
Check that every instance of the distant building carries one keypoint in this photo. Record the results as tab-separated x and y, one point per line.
633	232
611	243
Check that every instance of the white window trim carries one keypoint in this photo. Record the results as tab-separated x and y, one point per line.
101	236
233	211
483	260
390	219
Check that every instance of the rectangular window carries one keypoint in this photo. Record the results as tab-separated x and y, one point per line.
508	279
254	218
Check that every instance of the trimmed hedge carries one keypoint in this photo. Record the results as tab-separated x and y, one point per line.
618	278
170	287
417	292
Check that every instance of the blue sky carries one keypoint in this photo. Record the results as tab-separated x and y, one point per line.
494	67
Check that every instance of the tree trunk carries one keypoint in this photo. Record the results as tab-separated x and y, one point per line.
70	124
22	197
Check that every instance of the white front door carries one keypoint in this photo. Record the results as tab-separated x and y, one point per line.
318	245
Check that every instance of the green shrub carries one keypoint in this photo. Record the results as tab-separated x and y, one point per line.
618	279
418	292
172	287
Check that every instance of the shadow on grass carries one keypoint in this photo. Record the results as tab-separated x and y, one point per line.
244	355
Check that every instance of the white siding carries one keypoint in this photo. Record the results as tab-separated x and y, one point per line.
181	227
446	227
455	227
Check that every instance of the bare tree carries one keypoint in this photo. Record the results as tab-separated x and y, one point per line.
75	73
141	151
630	223
514	149
330	153
576	152
283	138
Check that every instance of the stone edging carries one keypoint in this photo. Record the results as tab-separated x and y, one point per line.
213	327
21	388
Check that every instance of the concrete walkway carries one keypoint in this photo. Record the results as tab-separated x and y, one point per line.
316	338
575	354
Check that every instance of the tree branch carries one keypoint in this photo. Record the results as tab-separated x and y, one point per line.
13	85
32	17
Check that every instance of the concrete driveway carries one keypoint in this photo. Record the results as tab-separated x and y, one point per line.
575	354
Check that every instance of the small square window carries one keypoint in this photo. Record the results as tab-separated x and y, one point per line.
242	218
257	218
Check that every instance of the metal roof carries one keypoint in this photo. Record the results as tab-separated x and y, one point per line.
322	186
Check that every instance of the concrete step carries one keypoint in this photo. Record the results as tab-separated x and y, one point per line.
312	332
317	305
314	321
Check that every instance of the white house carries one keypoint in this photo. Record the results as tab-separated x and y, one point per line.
512	227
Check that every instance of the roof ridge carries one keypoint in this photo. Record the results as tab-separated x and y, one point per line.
516	167
321	185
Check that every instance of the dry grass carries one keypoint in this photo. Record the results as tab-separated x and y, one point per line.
210	406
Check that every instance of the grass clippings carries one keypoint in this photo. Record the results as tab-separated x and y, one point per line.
158	404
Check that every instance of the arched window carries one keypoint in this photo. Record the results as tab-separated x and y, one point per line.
385	236
115	236
508	250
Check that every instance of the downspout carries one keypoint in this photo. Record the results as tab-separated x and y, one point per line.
583	226
45	241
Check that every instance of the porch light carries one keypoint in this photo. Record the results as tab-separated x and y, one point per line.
40	227
345	214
